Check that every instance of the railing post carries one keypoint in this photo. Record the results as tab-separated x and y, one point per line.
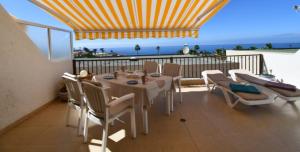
261	64
74	67
171	59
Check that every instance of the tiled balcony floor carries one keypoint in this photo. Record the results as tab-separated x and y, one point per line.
211	126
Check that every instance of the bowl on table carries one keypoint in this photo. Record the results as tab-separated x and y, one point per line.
132	82
155	75
108	77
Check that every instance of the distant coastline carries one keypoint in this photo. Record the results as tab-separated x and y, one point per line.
168	50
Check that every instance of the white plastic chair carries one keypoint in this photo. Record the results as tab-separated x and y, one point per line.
75	98
151	67
103	110
173	70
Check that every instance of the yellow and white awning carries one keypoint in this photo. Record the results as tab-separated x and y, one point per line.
106	19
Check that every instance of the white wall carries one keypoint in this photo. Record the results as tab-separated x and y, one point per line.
28	79
284	66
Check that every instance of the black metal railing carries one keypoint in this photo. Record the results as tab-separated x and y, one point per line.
192	66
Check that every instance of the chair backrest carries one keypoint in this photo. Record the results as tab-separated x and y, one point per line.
96	98
171	69
150	67
70	75
74	88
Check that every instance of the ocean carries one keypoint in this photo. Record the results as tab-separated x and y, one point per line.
151	50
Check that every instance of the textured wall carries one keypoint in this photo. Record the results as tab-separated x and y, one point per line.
28	79
284	65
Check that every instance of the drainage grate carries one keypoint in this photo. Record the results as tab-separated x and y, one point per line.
182	120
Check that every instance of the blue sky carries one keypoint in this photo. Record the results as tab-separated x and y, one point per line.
241	21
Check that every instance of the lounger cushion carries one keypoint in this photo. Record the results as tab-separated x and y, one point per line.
283	86
286	93
251	96
245	96
218	77
244	88
251	79
258	81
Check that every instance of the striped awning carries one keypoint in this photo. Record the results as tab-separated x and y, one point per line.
106	19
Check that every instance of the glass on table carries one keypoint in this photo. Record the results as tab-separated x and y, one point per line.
123	68
143	79
116	75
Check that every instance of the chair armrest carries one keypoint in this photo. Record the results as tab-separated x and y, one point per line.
70	75
105	88
177	77
120	100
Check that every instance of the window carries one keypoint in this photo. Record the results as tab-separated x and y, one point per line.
39	36
60	45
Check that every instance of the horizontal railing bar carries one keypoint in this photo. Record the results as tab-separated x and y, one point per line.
145	58
192	66
41	25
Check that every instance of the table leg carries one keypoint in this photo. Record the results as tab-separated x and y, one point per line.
144	111
145	120
168	103
172	100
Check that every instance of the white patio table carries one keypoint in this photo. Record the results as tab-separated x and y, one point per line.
144	93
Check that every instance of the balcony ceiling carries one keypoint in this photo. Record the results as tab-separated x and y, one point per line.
106	19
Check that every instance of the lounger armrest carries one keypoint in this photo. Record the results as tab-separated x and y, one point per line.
121	99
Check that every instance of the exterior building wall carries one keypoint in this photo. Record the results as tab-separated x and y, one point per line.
284	66
28	80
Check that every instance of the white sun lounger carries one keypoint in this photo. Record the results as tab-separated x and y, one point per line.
232	98
280	95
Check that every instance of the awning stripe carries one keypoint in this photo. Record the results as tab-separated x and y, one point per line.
157	10
112	11
182	12
160	14
166	10
122	12
170	11
130	8
88	14
195	2
103	13
90	6
105	19
194	14
148	12
122	35
66	14
119	13
73	9
172	14
139	7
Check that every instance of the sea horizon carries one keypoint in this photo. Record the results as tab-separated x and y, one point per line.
173	49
